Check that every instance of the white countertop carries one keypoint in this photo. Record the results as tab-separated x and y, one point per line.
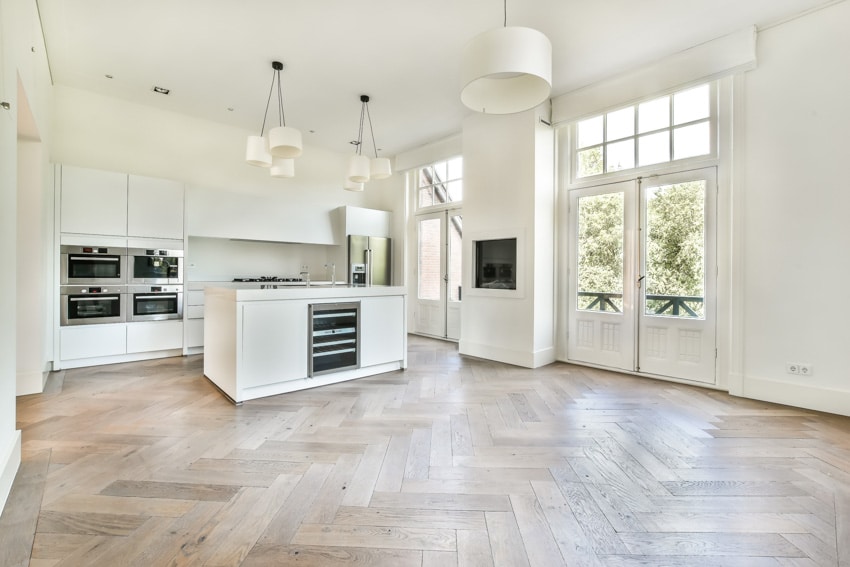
313	291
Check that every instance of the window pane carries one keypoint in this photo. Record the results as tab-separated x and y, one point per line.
690	105
621	124
600	252
440	171
455	191
426	176
454	259
426	197
690	141
654	148
590	132
654	115
675	250
589	162
429	259
621	155
455	168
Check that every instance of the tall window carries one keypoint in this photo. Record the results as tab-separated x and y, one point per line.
665	129
440	183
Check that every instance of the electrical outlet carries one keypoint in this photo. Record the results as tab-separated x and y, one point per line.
792	368
807	369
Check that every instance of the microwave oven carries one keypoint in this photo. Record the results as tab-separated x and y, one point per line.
92	265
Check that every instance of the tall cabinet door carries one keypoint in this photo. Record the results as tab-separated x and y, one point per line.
93	201
155	208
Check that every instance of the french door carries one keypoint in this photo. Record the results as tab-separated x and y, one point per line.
438	274
642	278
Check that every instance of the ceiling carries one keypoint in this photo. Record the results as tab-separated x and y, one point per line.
215	55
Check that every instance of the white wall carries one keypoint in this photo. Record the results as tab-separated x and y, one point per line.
794	218
509	192
21	59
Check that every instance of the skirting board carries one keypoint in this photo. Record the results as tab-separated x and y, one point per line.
525	359
11	456
797	395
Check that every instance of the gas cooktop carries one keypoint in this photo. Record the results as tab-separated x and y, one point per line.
263	279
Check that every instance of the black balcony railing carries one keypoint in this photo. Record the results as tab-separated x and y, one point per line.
675	305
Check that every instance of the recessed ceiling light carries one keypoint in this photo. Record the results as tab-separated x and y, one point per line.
161	90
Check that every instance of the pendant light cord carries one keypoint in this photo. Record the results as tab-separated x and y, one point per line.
281	115
363	109
266	113
371	130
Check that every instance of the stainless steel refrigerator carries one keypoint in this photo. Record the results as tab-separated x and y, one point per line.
369	260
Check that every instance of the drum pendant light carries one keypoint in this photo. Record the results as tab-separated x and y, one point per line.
506	70
360	168
282	141
282	167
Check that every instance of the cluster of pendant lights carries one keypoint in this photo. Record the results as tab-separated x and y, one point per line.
362	168
503	71
283	143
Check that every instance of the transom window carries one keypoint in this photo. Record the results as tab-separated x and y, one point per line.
440	183
668	128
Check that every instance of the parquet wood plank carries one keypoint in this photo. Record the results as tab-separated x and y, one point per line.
473	549
411	518
333	535
272	555
506	543
540	547
20	515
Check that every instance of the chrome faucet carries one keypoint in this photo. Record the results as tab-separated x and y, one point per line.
305	274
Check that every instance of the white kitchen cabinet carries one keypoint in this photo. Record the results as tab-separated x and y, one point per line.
154	207
92	341
382	330
274	342
148	336
194	336
93	201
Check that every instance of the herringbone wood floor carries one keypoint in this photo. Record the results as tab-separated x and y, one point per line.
455	461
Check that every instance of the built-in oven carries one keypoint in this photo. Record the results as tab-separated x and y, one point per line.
155	266
92	265
154	302
88	305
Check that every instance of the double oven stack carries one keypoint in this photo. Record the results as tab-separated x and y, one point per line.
115	285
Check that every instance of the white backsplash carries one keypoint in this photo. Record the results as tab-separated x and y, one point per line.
220	259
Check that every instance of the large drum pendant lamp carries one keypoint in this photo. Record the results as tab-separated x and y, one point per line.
506	70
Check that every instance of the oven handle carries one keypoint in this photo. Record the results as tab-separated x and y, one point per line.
95	298
93	258
159	296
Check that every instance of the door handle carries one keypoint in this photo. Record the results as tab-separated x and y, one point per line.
640	279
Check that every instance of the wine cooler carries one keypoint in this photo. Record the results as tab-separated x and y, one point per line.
334	337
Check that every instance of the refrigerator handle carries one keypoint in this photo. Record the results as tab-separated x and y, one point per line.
368	267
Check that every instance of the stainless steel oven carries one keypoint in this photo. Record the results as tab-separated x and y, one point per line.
88	305
155	266
154	302
92	265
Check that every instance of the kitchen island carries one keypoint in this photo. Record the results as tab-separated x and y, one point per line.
263	342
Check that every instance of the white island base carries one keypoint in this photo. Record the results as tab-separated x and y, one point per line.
256	341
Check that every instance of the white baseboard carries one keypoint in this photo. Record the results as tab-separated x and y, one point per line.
797	395
525	359
11	461
31	382
119	358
